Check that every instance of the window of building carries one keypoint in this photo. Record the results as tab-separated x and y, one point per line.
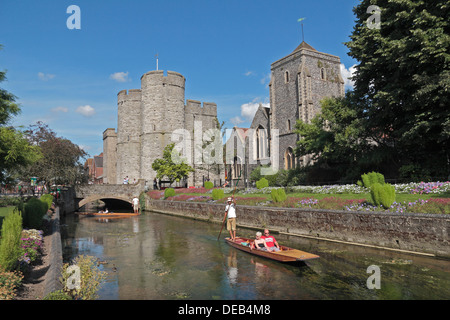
261	143
236	168
322	73
289	125
289	159
286	77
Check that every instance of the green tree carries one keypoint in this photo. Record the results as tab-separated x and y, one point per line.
62	160
171	166
336	137
15	150
402	80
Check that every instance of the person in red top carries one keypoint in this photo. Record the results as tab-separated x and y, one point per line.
270	241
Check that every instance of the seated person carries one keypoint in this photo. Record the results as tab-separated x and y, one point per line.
259	243
270	241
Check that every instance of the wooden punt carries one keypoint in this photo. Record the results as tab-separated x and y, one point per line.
285	255
109	215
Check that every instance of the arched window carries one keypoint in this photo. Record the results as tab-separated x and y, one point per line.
261	143
289	125
237	166
286	77
322	74
289	159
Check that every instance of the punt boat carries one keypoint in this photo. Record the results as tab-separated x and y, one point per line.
109	214
286	254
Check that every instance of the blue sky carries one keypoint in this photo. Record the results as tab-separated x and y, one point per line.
69	79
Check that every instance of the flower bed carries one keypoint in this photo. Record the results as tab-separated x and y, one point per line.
431	205
31	248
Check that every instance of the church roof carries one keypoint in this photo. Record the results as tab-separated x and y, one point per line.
304	46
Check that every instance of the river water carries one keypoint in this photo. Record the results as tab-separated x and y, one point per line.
156	256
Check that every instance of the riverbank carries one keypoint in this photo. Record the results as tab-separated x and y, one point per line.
44	277
417	233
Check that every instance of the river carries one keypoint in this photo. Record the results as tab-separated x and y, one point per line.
161	257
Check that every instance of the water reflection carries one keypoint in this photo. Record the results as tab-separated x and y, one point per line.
154	256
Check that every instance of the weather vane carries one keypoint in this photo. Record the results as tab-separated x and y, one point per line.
303	35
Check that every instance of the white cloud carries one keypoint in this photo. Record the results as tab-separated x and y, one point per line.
86	111
346	74
236	121
248	110
45	76
60	109
120	76
249	73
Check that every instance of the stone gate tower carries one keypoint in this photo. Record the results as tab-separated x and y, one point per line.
147	117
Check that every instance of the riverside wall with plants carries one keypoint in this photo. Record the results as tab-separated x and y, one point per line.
416	232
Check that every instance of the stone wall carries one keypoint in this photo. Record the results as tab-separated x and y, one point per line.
53	274
420	233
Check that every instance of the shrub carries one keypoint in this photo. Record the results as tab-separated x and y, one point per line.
370	178
382	194
90	278
278	195
10	242
34	212
262	183
217	194
209	185
48	199
57	295
142	201
9	282
169	192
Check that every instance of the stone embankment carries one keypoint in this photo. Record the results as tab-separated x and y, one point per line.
52	282
416	233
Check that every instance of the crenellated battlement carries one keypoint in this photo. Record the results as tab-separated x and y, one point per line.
195	107
157	78
130	95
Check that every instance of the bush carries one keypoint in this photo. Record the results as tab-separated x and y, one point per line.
9	282
57	295
209	185
262	183
48	199
142	201
90	278
368	179
10	242
169	192
278	195
382	194
217	194
34	212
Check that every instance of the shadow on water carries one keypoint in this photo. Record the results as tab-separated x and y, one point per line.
155	256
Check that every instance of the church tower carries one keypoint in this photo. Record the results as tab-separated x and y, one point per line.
299	82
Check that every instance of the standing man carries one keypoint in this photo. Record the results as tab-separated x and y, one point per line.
230	212
270	241
135	202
